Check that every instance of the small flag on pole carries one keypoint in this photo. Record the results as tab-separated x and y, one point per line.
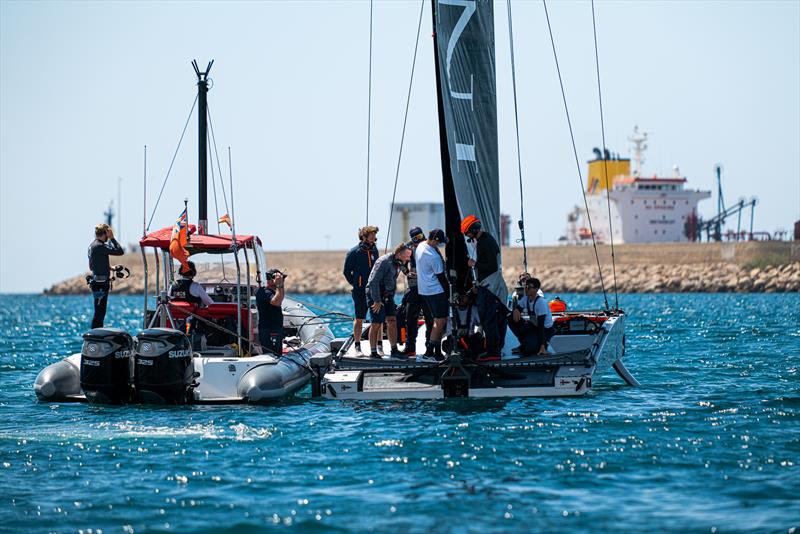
178	241
226	219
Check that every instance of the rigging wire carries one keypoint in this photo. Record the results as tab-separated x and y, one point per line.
405	121
575	152
605	159
369	108
216	204
213	140
171	164
519	154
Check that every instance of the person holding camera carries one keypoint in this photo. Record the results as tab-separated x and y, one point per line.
103	246
269	301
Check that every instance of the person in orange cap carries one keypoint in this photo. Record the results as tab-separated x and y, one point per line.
491	289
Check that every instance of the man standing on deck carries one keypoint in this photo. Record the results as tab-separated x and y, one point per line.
381	287
492	292
433	286
103	246
357	266
412	300
269	301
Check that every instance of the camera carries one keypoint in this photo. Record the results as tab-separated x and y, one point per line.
119	272
272	272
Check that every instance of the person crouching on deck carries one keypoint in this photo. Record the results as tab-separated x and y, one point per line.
357	266
535	333
269	301
381	286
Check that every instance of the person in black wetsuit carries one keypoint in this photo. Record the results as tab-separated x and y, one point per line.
269	300
357	266
491	290
103	246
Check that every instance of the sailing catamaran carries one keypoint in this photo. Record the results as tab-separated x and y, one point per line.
221	360
586	342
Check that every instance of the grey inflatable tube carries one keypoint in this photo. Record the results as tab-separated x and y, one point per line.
292	372
60	381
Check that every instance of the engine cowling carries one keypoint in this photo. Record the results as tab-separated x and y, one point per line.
163	366
106	365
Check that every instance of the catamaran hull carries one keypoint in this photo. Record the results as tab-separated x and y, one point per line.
219	379
569	373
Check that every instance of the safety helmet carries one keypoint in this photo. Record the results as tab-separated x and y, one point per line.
470	224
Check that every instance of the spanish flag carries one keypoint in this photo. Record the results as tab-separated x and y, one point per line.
177	243
226	219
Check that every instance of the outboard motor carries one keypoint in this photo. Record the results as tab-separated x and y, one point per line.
163	363
106	366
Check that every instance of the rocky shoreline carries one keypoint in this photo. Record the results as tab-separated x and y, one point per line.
690	267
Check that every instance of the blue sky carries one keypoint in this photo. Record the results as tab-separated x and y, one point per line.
85	85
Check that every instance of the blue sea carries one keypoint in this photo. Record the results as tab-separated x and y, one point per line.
709	443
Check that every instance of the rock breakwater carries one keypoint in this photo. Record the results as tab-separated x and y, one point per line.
690	267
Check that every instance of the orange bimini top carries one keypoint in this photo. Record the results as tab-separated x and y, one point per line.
557	305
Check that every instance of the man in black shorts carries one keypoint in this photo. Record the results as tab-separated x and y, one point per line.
357	265
381	286
433	286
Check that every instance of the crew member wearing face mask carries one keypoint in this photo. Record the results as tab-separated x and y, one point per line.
357	265
381	286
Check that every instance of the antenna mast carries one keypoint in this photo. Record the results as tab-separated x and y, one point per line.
202	140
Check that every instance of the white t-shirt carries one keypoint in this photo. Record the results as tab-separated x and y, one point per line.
429	264
539	307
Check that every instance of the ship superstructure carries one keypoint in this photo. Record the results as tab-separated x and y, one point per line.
644	209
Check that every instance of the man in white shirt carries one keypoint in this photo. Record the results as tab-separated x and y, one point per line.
433	286
535	332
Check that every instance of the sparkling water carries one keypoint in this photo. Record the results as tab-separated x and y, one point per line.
710	442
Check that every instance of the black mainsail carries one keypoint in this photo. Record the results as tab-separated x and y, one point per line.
465	79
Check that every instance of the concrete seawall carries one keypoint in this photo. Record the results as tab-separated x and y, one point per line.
640	268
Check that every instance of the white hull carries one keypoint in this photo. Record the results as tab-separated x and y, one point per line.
567	373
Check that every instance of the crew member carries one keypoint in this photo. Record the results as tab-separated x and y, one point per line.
269	301
433	286
491	288
381	286
412	300
103	246
533	333
185	289
357	266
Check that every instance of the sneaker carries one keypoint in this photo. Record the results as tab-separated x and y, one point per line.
379	348
488	357
398	355
375	356
357	351
422	358
409	352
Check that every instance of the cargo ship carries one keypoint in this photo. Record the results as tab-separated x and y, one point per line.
644	209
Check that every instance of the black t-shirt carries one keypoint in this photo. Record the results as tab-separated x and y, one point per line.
487	250
270	318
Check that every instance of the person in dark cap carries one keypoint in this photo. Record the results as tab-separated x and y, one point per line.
185	289
411	300
269	301
432	285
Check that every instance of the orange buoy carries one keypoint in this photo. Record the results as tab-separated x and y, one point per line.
557	305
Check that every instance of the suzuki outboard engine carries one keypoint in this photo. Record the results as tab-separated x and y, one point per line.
163	366
106	365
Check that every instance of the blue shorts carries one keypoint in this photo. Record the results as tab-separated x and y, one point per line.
389	309
360	302
436	304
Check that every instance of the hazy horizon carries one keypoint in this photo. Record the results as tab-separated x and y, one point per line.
84	86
